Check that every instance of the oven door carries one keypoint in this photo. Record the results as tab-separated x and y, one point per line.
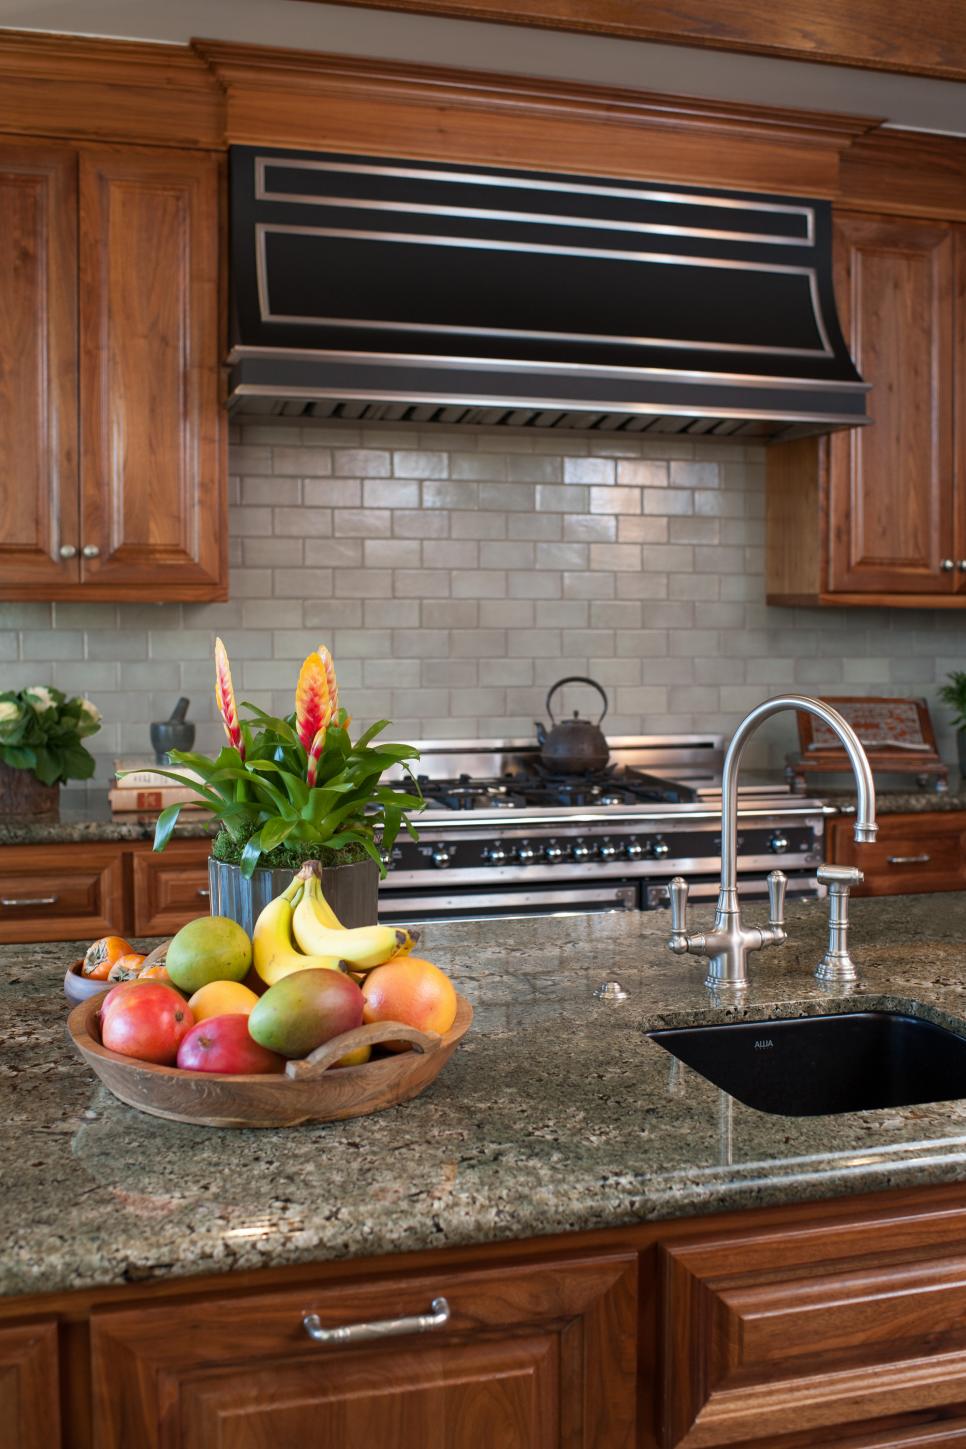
479	903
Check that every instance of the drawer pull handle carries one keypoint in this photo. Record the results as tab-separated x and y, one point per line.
204	892
909	859
29	900
382	1328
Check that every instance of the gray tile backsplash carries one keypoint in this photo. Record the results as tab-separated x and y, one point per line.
455	576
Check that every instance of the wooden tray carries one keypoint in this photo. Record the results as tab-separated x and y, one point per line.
308	1091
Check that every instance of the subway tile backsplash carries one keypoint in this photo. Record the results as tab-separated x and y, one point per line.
456	576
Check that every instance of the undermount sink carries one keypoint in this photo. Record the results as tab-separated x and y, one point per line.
812	1066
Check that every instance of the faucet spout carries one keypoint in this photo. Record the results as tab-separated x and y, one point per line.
730	942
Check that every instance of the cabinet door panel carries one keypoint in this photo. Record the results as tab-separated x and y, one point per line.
29	1386
532	1357
152	475
38	367
911	854
890	483
60	892
170	889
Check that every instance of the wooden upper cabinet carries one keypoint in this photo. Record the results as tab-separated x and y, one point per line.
152	472
113	470
38	365
891	484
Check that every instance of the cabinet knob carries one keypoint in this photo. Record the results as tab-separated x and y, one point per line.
962	565
947	565
91	550
67	550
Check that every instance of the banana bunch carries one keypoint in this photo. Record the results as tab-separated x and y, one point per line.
319	932
274	953
299	931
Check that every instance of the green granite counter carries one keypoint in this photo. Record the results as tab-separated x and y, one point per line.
556	1113
85	817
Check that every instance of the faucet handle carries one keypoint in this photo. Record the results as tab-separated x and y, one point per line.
678	896
842	876
777	884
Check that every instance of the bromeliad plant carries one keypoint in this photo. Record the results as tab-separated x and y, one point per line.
291	789
41	730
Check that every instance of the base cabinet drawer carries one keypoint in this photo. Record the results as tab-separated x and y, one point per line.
60	892
529	1358
818	1334
29	1386
912	853
170	888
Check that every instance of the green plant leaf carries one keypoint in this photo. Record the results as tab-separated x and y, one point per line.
273	832
166	822
250	856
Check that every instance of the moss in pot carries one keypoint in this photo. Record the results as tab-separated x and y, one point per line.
954	694
296	789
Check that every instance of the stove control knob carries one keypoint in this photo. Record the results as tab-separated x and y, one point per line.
778	843
442	856
607	850
554	853
659	848
582	851
633	850
495	855
526	854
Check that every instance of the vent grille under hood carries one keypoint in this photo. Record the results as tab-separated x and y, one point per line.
379	288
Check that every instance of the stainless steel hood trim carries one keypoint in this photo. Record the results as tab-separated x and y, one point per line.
500	364
475	178
599	405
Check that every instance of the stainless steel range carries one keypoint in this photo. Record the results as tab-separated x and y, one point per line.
503	836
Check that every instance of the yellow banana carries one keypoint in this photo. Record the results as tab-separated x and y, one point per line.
273	951
361	948
312	870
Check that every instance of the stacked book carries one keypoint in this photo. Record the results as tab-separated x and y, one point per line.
139	787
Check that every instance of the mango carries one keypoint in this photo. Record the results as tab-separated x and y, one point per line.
305	1009
210	948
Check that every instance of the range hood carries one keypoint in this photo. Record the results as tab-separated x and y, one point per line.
378	288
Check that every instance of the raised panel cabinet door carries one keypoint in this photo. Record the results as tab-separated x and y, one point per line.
532	1357
827	1334
29	1386
890	503
153	471
911	854
38	368
61	892
170	888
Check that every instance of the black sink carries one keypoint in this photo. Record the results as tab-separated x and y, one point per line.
815	1065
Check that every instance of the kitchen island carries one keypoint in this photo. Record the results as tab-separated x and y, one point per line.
557	1129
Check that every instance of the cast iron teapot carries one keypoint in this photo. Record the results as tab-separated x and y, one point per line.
573	746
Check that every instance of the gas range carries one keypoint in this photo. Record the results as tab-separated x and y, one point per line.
502	835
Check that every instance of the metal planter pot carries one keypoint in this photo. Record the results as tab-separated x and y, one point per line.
351	890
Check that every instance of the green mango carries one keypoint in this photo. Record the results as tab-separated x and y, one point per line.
304	1010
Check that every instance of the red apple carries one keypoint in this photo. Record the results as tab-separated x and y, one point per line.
148	1022
222	1044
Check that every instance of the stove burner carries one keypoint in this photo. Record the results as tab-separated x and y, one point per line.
539	787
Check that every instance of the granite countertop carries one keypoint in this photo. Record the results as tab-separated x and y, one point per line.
85	816
556	1113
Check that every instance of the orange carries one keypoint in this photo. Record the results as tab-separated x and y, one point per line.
412	991
221	998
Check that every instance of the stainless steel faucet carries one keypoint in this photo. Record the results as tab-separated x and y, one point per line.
729	943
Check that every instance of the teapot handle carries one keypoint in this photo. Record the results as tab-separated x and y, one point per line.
576	679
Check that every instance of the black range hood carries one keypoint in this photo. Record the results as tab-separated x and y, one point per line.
375	288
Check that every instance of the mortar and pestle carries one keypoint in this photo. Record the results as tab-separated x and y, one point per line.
173	733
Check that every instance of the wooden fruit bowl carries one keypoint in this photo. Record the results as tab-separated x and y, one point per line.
312	1090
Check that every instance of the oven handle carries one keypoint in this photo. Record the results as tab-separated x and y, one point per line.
487	904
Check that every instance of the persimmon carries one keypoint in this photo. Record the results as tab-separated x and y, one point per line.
103	954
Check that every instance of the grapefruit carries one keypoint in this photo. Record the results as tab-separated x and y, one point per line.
410	990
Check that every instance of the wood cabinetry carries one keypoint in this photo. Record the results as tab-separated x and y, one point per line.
911	854
882	508
531	1357
60	892
80	892
170	888
29	1385
137	508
